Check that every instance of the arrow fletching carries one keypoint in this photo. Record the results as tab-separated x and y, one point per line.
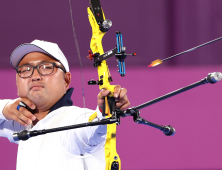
155	63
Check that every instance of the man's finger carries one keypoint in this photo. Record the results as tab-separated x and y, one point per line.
125	106
15	118
22	117
124	102
119	93
117	90
28	103
27	113
103	93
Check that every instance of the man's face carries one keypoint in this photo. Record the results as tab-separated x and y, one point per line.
43	91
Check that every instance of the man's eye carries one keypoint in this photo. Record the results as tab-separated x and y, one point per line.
25	70
47	67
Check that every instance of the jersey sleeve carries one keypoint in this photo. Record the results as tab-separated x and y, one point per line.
87	139
8	127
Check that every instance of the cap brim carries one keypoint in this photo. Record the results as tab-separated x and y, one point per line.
22	50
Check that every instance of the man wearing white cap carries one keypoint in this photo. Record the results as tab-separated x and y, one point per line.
43	80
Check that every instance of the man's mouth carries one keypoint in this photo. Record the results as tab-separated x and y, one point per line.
36	87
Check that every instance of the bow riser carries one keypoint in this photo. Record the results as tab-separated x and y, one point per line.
96	47
111	155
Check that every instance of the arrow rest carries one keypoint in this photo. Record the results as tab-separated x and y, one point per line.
93	82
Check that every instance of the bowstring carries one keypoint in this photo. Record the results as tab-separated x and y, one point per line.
78	53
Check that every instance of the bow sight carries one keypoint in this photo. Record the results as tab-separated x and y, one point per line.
119	52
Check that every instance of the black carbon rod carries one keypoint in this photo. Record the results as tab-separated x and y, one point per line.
211	78
24	134
168	130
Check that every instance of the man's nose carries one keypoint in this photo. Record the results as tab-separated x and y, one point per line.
36	76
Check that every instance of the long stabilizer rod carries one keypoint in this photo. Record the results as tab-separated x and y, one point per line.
211	78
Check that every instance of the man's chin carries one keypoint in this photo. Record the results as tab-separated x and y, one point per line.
37	98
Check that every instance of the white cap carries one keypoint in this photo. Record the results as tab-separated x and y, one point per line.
48	48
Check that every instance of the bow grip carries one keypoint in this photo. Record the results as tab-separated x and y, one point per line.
109	106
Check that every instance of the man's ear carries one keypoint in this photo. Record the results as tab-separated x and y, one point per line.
67	78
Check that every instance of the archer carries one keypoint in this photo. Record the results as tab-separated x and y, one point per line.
43	80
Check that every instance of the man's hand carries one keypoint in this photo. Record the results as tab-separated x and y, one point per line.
120	97
23	116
